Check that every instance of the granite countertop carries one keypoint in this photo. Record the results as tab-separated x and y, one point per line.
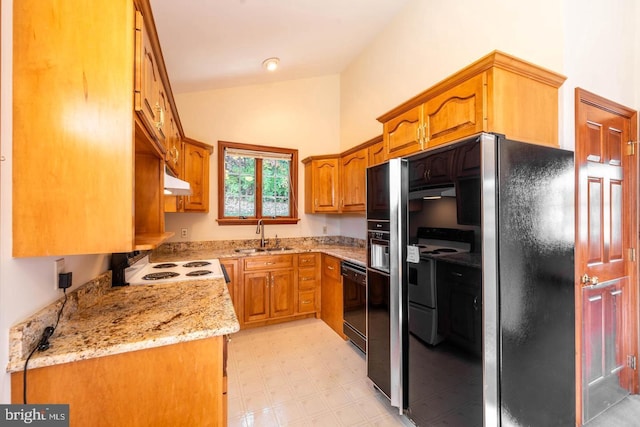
128	319
99	320
349	253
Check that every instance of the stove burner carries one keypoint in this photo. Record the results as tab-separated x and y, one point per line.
199	272
166	265
160	275
196	264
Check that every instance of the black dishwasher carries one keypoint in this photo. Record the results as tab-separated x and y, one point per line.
354	285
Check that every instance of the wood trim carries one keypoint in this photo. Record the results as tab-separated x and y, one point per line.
292	219
365	144
598	101
254	221
351	150
199	144
496	59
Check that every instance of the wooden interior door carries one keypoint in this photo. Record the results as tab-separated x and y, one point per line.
606	238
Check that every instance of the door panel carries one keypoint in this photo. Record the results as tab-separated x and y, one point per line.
607	380
606	233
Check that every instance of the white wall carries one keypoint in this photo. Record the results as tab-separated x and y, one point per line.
430	40
602	55
26	284
302	114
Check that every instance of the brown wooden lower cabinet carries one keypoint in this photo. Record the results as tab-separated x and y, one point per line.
332	305
172	385
231	265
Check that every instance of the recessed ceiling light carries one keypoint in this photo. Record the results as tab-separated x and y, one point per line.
271	64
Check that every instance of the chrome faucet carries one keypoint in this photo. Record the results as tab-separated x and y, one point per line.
260	231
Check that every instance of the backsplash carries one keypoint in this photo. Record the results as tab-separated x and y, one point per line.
298	242
24	335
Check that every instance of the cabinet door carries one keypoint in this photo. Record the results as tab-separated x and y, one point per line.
282	296
173	144
331	295
377	154
353	181
325	185
231	265
456	113
196	172
402	134
148	103
256	296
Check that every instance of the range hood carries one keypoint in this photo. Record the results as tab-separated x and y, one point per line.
174	186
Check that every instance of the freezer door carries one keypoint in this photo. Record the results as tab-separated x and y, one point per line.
535	253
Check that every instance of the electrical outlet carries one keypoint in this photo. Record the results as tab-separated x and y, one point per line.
58	267
183	233
324	229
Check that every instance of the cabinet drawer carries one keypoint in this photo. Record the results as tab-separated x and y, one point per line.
307	278
268	262
331	267
306	260
306	301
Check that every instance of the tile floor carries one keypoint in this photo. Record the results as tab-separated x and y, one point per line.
301	374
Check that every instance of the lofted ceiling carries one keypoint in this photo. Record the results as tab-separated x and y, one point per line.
213	44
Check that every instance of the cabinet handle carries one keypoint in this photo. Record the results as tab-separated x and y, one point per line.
307	301
455	273
427	175
160	123
177	154
269	263
330	267
426	134
305	279
475	303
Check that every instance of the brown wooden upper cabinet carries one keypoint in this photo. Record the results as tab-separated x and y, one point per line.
150	101
321	184
353	180
336	183
498	93
193	167
87	176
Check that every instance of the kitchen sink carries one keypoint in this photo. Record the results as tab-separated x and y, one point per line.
254	250
250	250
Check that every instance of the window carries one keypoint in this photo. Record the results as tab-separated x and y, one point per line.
257	182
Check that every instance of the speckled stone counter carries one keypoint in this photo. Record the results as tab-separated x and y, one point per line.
344	248
118	320
99	320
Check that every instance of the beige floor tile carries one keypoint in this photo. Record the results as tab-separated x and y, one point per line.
301	374
289	413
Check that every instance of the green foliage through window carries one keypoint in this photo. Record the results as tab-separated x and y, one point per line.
257	181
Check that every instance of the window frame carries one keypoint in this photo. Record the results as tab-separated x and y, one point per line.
293	194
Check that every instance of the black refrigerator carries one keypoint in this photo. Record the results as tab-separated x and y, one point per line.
523	370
